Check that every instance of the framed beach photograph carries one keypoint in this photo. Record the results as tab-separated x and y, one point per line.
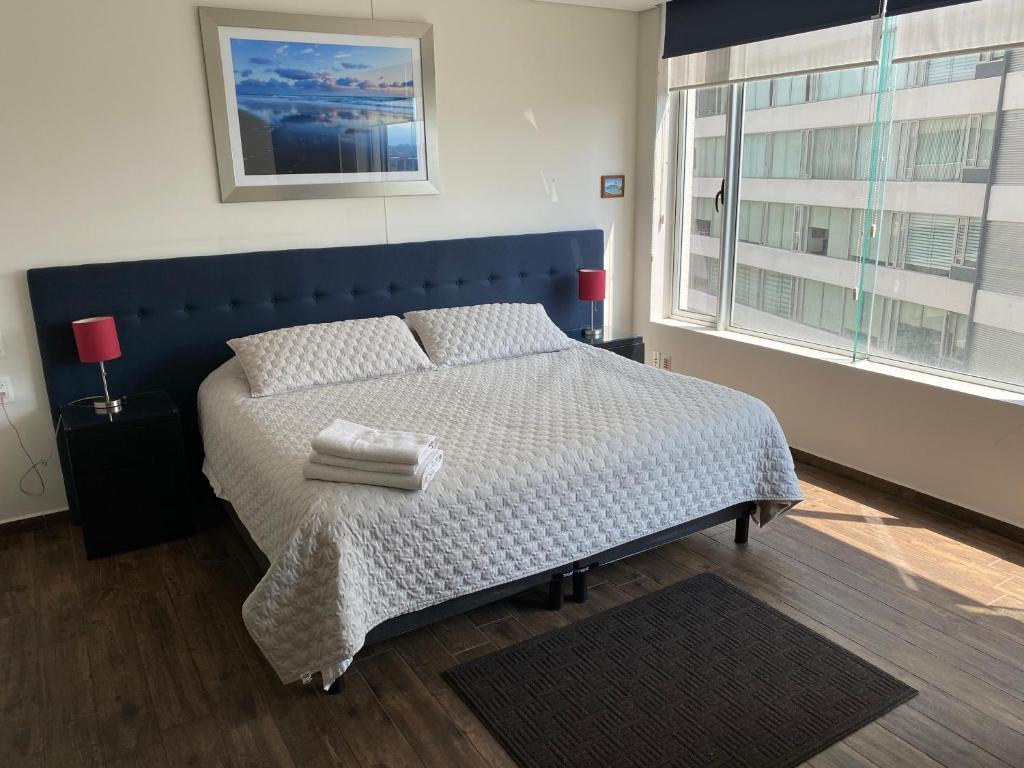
613	186
318	106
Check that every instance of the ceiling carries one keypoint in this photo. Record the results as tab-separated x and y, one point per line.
622	5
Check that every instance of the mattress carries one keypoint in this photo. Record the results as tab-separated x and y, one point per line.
549	458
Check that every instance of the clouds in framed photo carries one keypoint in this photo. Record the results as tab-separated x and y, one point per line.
324	109
312	109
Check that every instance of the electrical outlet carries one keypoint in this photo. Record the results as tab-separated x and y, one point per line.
656	358
6	389
666	363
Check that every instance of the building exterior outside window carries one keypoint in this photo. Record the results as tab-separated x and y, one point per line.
948	288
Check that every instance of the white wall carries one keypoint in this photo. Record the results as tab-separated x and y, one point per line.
108	152
959	447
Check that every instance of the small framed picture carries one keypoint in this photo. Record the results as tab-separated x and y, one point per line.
613	186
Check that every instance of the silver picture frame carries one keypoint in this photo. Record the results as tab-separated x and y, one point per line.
228	149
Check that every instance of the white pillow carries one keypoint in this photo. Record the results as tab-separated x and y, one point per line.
327	353
485	332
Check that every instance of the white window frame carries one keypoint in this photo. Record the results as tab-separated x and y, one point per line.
679	164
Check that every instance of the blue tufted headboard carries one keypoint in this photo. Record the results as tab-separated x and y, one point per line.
174	315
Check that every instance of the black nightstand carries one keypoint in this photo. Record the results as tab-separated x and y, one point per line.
127	483
614	340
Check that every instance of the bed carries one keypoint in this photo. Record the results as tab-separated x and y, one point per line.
554	462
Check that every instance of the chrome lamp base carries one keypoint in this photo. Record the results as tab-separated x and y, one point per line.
592	333
106	405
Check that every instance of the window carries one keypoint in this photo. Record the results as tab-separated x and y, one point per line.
759	95
785	91
924	242
925	335
940	149
698	224
840	153
711	101
787	151
947	293
705	220
818	230
755	156
748	286
704	275
709	157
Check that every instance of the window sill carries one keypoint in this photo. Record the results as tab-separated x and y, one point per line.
870	366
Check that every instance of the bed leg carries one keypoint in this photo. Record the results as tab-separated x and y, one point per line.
742	528
336	687
579	585
555	592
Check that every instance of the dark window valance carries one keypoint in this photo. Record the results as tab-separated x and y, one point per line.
896	7
692	26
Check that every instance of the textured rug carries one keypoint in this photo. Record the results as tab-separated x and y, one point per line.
697	674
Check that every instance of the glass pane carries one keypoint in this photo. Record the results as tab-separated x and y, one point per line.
798	93
987	134
827	86
775	211
930	244
786	151
835	153
748	286
840	225
948	289
701	164
941	145
832	308
755	156
760	95
812	197
851	81
813	301
711	101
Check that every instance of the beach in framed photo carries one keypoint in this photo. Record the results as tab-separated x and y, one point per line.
336	111
307	106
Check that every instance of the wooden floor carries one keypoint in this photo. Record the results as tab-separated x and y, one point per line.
142	659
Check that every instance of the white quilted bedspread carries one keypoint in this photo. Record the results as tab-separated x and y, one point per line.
549	458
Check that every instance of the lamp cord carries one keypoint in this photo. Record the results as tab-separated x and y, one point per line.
34	465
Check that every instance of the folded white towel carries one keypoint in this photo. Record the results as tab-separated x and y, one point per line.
354	441
418	481
365	466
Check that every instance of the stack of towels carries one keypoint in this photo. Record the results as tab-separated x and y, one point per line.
351	453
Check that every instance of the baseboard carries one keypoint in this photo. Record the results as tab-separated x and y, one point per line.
918	498
34	523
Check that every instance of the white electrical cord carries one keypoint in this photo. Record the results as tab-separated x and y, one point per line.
33	464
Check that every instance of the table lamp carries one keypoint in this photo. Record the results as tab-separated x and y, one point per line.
592	283
96	339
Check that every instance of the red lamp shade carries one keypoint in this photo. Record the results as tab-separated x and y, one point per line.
96	339
592	284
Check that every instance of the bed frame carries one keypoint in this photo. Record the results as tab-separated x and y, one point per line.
555	578
174	316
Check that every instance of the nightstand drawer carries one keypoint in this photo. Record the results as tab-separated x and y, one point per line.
633	349
131	507
97	450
